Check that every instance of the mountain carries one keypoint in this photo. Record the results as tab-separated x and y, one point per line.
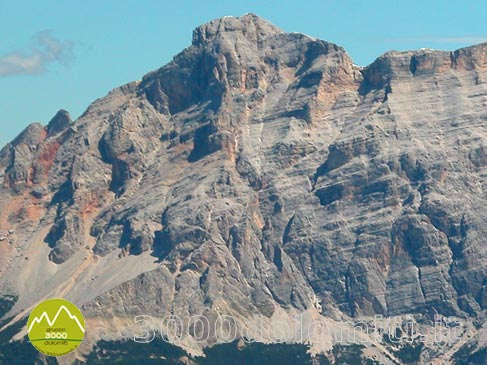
63	313
264	176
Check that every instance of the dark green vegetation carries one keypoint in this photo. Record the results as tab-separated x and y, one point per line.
6	303
235	353
160	352
468	355
257	353
20	352
350	355
410	353
133	353
407	352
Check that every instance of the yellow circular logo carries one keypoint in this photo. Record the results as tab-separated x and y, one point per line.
56	327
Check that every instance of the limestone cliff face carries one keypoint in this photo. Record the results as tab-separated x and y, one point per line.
260	171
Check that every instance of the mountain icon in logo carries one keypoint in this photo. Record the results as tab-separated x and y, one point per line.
56	327
45	316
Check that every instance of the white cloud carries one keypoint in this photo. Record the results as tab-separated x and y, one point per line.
456	40
45	49
441	40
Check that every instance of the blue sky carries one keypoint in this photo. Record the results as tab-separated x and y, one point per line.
57	54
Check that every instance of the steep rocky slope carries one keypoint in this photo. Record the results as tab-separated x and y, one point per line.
259	173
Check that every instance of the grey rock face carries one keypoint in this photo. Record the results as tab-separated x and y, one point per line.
59	122
263	170
17	156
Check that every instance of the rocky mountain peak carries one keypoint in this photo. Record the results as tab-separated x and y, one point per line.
249	26
59	122
398	66
473	57
31	136
242	54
